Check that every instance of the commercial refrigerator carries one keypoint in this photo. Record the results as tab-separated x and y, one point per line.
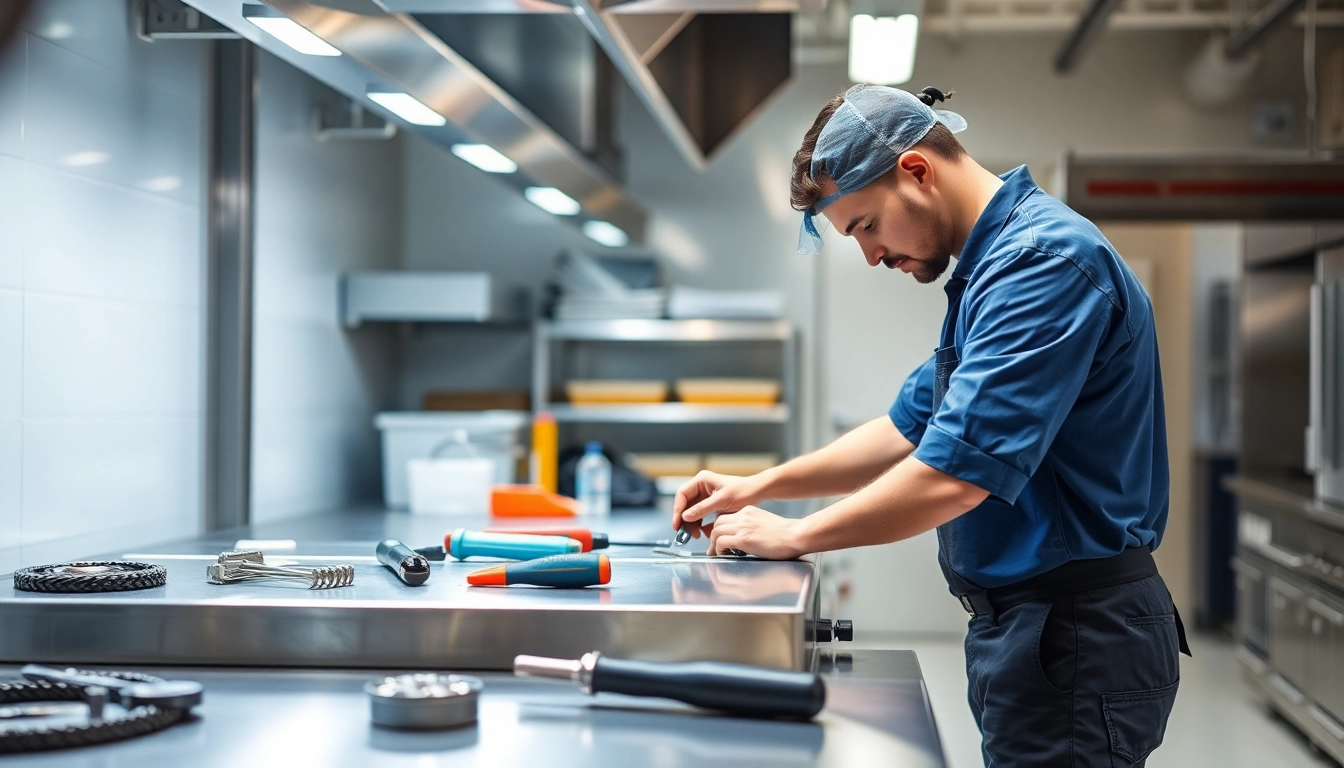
1325	431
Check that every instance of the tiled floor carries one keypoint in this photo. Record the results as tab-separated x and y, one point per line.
1217	722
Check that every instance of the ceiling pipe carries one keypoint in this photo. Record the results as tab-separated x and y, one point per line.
1261	24
1090	26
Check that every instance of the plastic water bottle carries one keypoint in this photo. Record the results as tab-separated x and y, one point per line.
592	482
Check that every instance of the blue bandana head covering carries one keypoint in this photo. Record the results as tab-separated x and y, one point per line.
863	140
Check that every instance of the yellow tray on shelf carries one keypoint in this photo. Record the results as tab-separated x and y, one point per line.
728	391
615	391
657	465
741	464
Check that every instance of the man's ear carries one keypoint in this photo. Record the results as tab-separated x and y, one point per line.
917	165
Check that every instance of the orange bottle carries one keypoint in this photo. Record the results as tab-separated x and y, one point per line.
545	451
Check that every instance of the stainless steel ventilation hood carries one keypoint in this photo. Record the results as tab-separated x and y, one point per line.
400	53
1269	187
533	79
702	68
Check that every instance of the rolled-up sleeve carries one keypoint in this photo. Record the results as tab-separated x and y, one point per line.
1033	325
914	405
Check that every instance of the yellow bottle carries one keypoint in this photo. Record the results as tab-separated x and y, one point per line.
545	451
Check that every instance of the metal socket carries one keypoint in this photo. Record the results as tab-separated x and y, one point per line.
424	700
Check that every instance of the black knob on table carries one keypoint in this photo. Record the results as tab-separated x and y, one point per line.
844	630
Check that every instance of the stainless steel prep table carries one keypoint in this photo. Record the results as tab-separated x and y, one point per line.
877	714
655	608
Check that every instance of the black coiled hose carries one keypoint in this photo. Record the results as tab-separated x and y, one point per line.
135	722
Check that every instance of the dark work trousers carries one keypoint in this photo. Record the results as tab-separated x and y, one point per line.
1082	679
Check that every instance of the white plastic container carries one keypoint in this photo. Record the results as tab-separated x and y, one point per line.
496	435
450	486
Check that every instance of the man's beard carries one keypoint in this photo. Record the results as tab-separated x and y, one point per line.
936	257
931	269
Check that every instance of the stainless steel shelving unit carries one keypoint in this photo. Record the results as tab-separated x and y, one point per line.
670	413
547	335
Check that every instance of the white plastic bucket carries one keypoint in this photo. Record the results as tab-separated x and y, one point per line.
450	486
407	435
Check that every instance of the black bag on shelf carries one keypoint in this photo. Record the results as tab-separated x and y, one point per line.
629	488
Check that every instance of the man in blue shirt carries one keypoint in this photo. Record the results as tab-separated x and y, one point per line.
1033	439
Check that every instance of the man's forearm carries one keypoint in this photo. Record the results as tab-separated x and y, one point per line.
910	499
845	465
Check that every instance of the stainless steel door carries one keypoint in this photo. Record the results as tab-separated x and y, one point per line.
1252	606
1325	655
1325	435
1288	631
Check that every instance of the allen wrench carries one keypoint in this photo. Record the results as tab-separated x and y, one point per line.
250	565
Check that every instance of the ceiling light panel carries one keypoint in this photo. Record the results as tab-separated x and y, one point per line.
552	200
287	31
405	106
485	157
606	234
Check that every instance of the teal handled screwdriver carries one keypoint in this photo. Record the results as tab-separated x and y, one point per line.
462	544
572	571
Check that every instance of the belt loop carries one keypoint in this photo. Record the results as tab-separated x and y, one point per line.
979	604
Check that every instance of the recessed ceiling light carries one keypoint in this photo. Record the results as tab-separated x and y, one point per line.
485	157
287	31
882	48
552	200
607	234
403	105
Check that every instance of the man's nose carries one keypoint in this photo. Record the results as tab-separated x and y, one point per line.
874	255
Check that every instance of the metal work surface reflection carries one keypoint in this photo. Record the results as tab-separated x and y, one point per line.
322	719
650	583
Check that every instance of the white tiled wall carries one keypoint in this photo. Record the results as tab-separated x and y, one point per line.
101	254
323	208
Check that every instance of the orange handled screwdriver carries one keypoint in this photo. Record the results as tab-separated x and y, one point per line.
572	571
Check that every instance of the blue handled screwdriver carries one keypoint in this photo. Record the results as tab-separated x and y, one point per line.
462	544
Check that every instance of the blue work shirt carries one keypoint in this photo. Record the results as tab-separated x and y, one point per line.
1055	404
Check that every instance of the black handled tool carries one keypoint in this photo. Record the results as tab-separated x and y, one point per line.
410	567
733	688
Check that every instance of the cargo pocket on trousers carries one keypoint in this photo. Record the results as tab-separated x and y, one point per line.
1137	720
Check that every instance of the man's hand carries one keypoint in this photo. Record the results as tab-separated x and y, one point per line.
756	532
710	492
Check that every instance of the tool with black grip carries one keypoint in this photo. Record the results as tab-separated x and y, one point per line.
410	567
733	688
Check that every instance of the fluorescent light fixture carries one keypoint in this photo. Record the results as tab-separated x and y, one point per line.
609	235
161	183
882	48
82	159
552	200
485	157
407	108
287	31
